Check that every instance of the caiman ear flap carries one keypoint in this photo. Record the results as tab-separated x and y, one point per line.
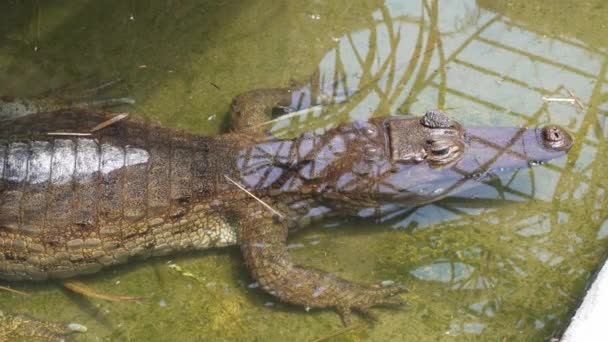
436	119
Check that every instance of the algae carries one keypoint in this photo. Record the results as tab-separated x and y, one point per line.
509	261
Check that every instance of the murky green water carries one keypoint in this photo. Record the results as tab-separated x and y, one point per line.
509	263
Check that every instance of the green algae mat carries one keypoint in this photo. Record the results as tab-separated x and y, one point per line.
505	262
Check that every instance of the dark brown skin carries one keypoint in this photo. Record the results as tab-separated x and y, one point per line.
72	205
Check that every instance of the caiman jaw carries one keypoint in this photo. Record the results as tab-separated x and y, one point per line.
434	157
492	151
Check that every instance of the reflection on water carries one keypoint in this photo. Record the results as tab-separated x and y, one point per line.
508	259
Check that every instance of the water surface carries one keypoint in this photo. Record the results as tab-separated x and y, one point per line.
508	261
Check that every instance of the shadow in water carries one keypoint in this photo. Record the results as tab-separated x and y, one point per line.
515	251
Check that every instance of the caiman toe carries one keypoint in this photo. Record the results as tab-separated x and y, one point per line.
361	300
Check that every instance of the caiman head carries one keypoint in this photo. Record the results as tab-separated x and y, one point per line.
400	160
412	161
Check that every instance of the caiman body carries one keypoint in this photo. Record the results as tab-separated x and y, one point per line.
74	204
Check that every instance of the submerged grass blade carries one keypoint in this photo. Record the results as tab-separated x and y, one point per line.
274	211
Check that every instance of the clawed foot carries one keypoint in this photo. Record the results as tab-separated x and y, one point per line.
267	257
362	299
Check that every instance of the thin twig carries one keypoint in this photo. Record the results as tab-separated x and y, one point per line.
255	197
576	99
559	99
109	122
8	289
69	134
289	115
82	289
105	85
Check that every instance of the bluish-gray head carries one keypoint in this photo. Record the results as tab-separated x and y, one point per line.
400	159
431	157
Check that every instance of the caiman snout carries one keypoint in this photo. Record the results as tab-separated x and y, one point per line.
555	138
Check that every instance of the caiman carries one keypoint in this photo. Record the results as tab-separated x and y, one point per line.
72	205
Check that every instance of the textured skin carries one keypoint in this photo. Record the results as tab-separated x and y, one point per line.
71	205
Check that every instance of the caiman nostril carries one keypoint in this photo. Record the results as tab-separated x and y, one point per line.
556	138
552	133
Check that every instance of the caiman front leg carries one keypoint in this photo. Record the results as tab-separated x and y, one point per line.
250	110
263	243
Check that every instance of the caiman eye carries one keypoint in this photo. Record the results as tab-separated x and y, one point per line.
444	152
441	152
